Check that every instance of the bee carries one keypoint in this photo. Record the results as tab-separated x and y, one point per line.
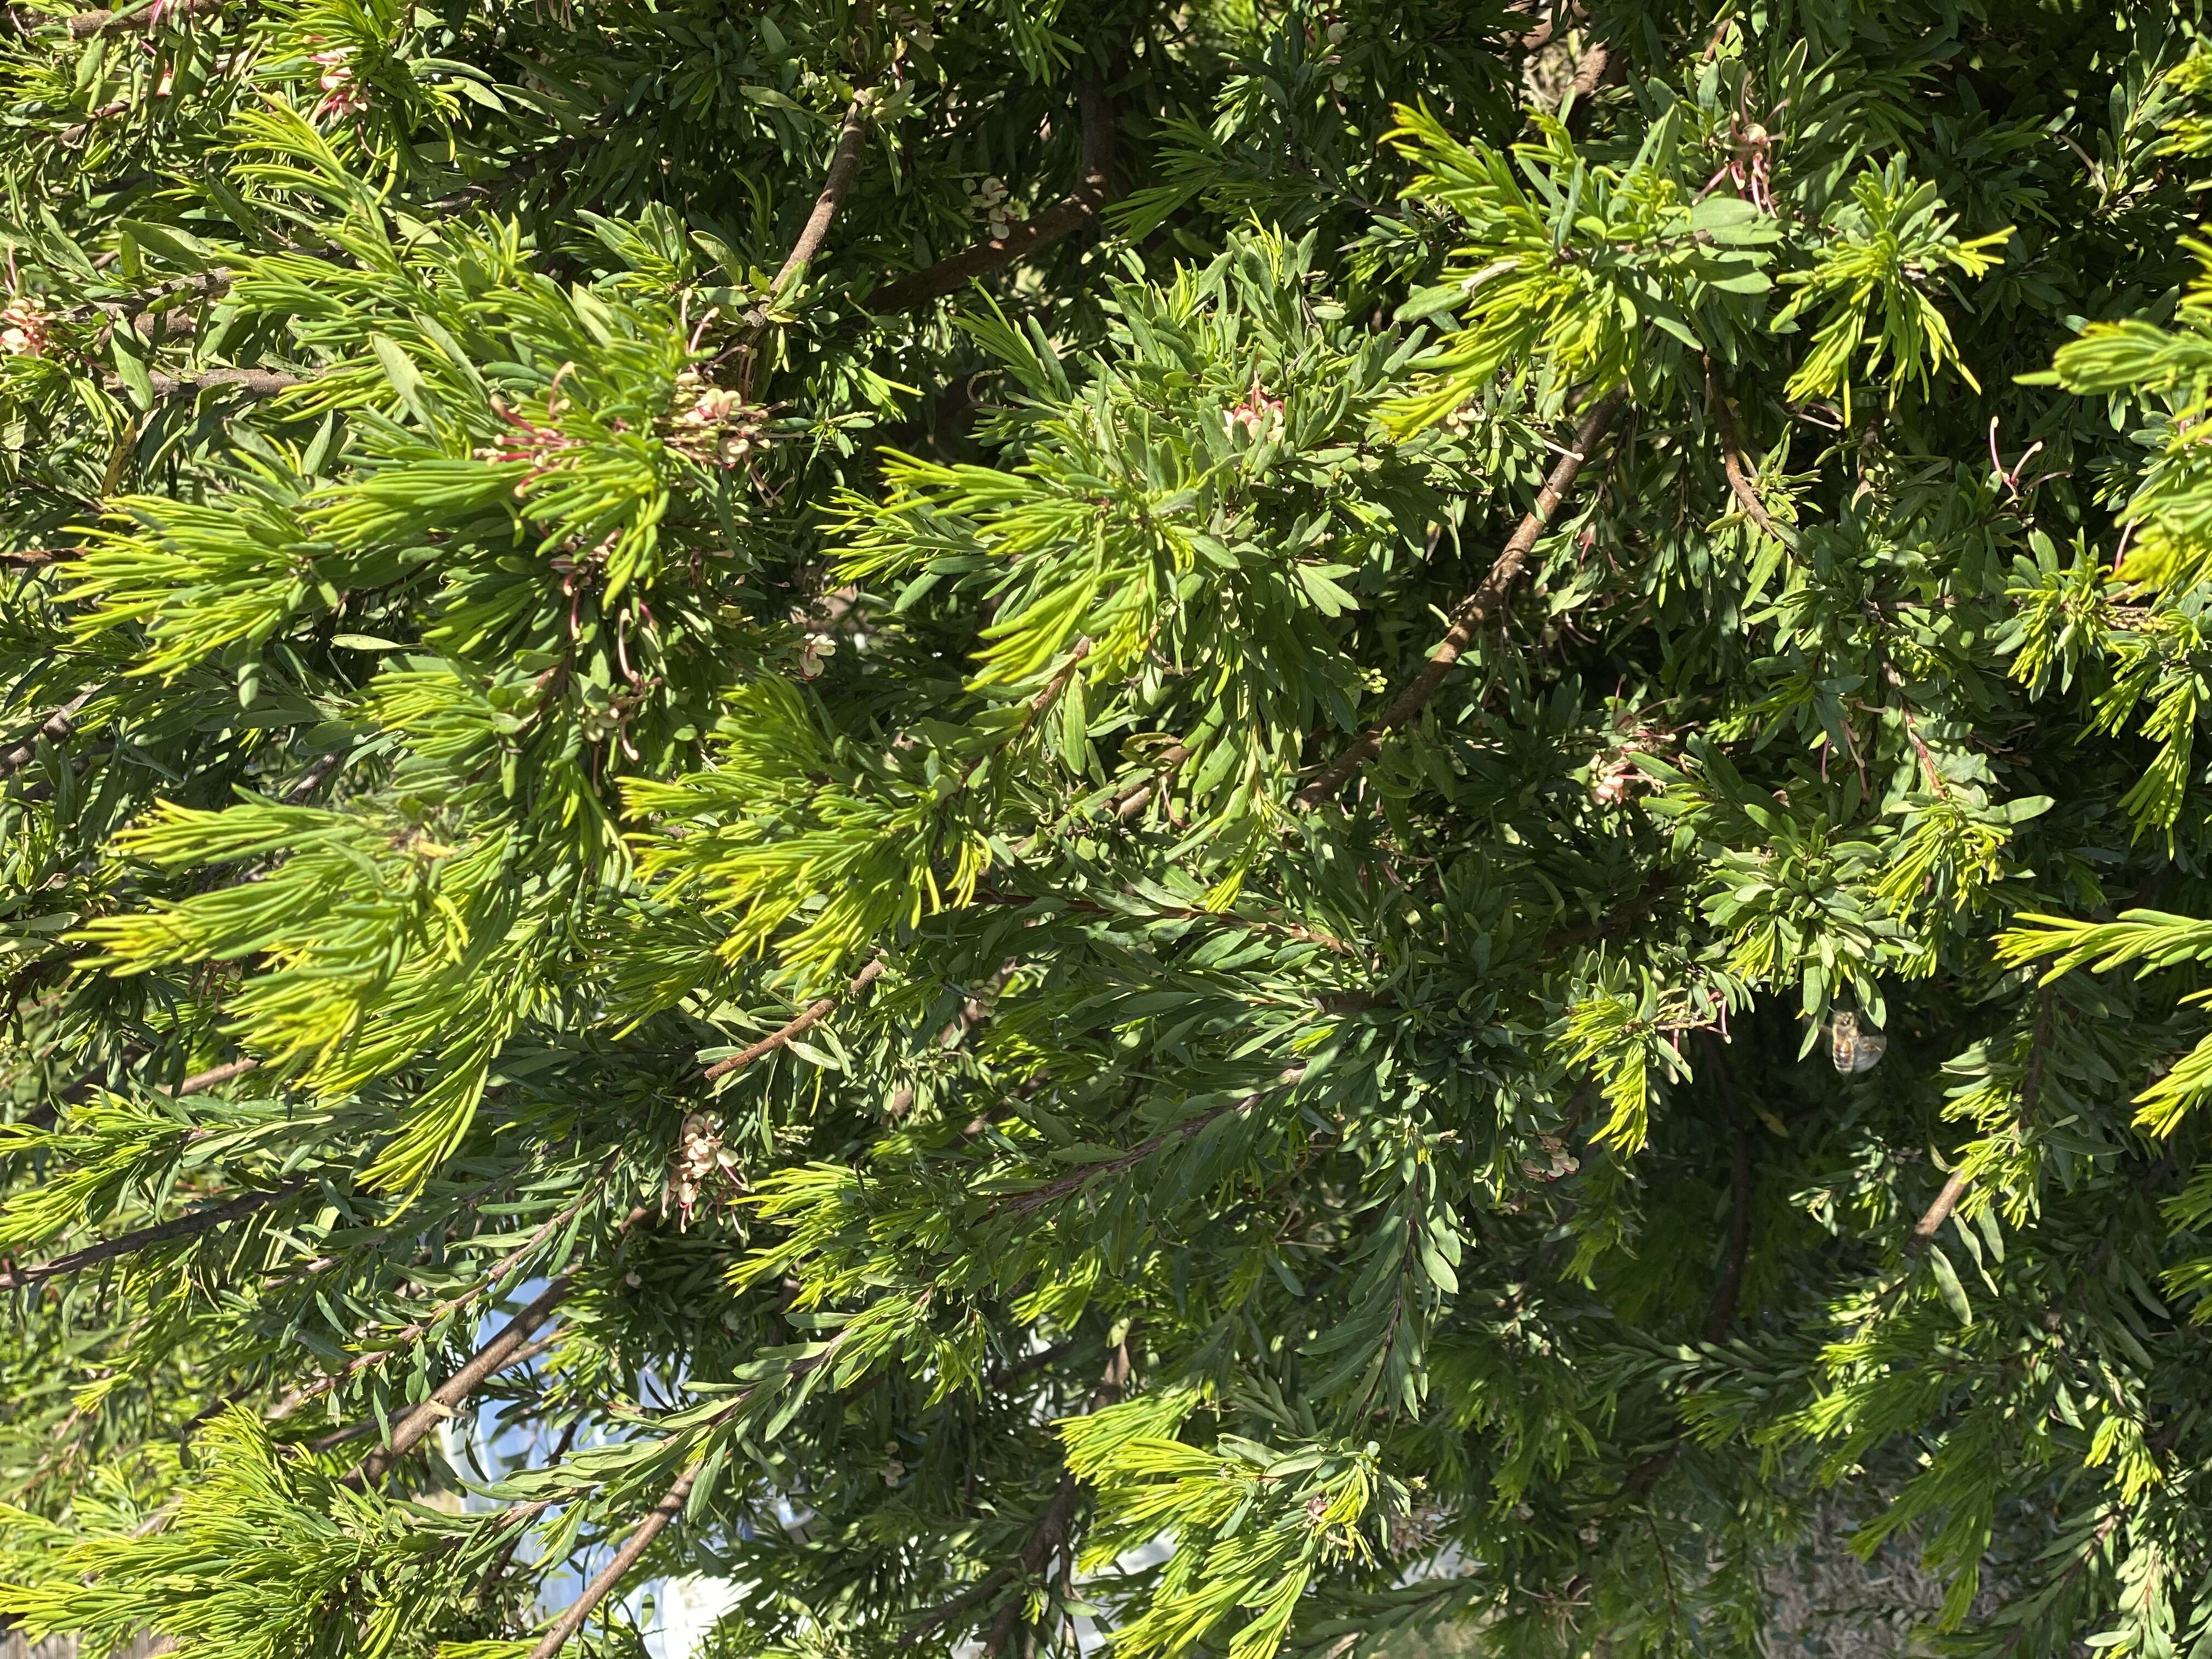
1854	1046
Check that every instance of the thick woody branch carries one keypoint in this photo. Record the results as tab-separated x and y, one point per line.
807	1020
253	382
1473	612
1079	207
185	1227
656	1521
651	1526
844	162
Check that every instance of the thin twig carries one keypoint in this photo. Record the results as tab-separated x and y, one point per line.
56	728
184	1226
1740	483
413	1333
2030	1088
215	1077
1079	207
810	1017
1075	1180
1474	611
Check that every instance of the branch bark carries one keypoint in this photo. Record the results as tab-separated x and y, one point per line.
214	1077
1079	207
496	1355
1050	1537
184	1226
1741	483
844	162
141	19
654	1523
811	1017
57	729
2031	1089
1474	611
254	382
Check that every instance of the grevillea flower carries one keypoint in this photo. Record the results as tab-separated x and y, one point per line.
23	328
342	93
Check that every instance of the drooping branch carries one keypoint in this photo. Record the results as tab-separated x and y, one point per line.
808	1019
1474	611
1079	207
184	1226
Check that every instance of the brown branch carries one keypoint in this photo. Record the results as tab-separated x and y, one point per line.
1075	1180
254	382
184	1226
1074	211
1474	611
496	1355
213	1078
315	777
654	1523
1050	1534
1131	801
844	162
1050	1537
142	19
1741	483
811	1017
56	728
2031	1089
974	1011
415	1332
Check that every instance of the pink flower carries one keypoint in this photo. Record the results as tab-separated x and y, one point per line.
23	328
342	95
1260	415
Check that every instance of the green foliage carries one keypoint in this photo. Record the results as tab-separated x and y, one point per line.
825	787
